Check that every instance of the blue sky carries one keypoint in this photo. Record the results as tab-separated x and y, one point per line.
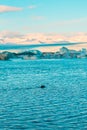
44	16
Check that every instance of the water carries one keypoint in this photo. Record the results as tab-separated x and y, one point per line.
23	47
61	105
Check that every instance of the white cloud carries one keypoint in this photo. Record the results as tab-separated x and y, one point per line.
32	6
4	8
71	22
38	17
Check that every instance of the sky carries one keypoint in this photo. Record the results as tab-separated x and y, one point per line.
46	20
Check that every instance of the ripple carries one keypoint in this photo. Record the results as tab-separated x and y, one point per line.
62	105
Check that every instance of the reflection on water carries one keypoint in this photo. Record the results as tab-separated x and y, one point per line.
61	105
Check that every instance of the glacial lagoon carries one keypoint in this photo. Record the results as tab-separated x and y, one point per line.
61	105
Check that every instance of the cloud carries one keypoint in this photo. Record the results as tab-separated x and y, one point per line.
32	7
38	17
70	22
4	8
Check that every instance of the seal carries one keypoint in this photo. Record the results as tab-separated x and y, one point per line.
42	86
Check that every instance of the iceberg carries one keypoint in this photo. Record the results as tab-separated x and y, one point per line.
36	54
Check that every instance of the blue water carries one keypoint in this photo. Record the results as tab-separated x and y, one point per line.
23	47
61	105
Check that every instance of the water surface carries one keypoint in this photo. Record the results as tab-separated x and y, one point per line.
61	105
